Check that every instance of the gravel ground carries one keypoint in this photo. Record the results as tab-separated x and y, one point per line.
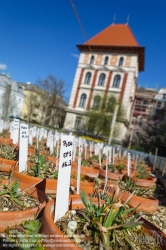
159	217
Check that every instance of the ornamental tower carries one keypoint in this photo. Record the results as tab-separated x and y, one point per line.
108	65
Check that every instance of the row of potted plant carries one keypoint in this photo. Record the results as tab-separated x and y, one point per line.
104	215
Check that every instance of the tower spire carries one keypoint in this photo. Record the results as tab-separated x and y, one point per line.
113	21
127	21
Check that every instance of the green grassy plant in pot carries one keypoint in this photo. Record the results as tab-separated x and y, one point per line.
142	177
42	168
18	203
109	225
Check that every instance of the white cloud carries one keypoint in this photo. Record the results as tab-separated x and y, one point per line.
75	55
3	66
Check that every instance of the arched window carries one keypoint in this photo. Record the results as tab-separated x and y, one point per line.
106	60
92	60
101	80
88	78
116	82
82	100
78	122
120	61
96	103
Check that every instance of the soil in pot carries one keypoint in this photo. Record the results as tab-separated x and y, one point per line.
13	199
5	168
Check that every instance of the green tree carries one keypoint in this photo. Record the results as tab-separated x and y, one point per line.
150	136
101	114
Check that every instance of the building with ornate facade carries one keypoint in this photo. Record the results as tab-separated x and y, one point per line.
108	65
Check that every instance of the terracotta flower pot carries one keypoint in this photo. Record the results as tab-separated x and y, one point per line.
132	173
6	141
49	186
91	172
95	164
51	233
52	159
88	181
73	182
145	204
144	183
123	161
31	151
9	219
6	165
112	176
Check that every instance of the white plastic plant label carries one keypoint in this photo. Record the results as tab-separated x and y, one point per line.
79	165
63	185
1	125
30	137
41	133
16	124
106	169
128	164
34	132
51	144
12	130
23	148
113	156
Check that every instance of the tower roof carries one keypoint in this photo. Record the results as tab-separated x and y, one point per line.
114	35
116	38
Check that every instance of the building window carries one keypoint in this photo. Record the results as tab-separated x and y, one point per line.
140	121
133	121
92	60
78	122
101	80
87	78
96	103
120	61
106	60
82	100
116	82
159	104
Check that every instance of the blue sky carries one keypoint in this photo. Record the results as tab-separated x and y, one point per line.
39	37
